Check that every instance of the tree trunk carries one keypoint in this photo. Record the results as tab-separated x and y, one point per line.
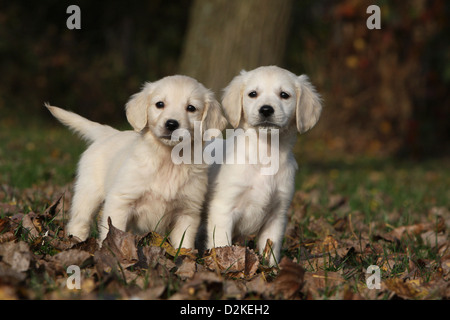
226	36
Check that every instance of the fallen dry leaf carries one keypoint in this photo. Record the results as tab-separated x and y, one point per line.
151	293
156	240
62	243
340	224
407	289
4	225
52	210
156	260
7	293
31	229
336	201
70	257
290	280
321	227
90	245
205	285
10	276
123	245
187	268
150	256
233	289
7	236
236	260
118	249
328	244
17	255
445	265
259	285
7	208
6	230
435	239
416	229
317	282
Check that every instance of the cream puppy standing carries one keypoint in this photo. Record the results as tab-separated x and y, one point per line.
132	171
244	201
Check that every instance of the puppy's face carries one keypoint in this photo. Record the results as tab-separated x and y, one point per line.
271	97
268	99
174	103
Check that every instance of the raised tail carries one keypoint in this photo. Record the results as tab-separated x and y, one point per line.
88	130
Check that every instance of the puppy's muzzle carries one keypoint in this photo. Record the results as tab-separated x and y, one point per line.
266	111
172	125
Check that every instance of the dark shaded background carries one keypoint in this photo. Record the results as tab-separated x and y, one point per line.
385	91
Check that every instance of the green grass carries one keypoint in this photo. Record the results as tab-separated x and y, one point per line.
38	154
380	187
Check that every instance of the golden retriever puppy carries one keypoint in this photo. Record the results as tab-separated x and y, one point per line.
269	105
132	173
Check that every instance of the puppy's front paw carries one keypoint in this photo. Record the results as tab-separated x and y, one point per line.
80	233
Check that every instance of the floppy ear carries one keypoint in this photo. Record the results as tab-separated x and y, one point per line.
136	108
212	115
309	104
232	100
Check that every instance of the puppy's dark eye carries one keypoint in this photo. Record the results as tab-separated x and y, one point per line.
191	108
284	95
253	94
159	104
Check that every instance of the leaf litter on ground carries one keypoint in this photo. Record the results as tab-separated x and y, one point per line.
322	257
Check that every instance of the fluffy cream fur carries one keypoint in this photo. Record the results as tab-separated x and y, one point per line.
243	201
132	172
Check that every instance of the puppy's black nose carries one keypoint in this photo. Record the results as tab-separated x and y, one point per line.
172	125
266	110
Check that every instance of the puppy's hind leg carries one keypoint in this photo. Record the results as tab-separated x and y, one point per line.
86	201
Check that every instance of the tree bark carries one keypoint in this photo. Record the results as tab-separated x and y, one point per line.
226	36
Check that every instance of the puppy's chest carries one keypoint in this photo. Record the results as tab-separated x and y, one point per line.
163	200
259	193
168	183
